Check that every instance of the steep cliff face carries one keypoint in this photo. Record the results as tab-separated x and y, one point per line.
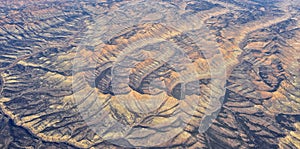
170	73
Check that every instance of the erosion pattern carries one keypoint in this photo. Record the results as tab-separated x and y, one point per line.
76	74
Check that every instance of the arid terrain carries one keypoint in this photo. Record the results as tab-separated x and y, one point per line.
150	74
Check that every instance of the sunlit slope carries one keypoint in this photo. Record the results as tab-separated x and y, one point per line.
62	83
